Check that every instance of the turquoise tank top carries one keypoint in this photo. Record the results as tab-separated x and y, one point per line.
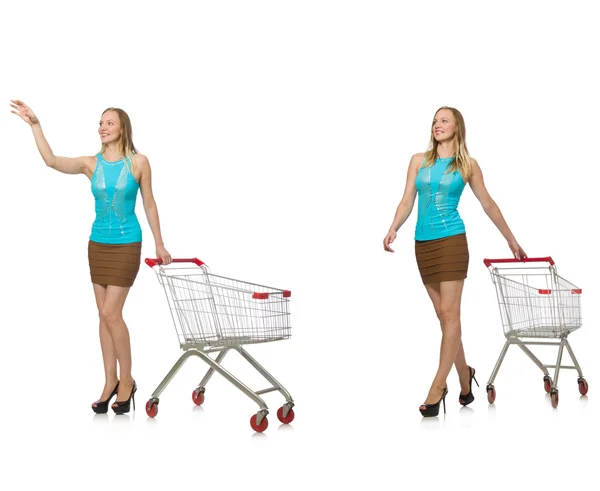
439	194
115	190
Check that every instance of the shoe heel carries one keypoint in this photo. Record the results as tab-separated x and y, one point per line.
444	401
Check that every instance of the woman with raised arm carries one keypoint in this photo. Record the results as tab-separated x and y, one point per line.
116	173
438	177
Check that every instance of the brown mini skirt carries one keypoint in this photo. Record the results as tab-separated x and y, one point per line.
114	264
445	259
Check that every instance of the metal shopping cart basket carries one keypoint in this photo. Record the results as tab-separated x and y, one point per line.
214	314
536	304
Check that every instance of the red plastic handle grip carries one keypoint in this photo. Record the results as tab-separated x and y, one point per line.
154	262
263	295
488	262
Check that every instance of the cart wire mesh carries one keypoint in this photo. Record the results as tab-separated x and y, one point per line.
537	302
214	310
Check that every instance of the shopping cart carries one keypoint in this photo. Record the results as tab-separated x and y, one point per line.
214	314
536	303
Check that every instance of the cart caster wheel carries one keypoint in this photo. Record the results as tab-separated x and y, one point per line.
261	427
583	386
554	398
151	409
491	394
198	398
547	383
288	419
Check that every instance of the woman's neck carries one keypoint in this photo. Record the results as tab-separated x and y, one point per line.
113	152
445	150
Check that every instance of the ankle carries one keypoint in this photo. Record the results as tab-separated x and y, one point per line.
127	381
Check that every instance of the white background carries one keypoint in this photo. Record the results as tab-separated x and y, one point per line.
279	134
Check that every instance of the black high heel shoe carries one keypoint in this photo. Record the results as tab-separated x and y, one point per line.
123	407
468	398
102	406
434	409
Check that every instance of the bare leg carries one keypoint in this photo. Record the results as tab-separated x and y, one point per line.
109	356
451	292
112	315
460	363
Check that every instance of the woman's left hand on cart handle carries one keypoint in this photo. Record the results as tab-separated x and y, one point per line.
163	254
516	249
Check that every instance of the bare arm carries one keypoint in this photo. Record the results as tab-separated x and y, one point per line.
492	210
407	202
150	207
79	165
66	165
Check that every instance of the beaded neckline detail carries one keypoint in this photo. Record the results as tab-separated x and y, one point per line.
104	161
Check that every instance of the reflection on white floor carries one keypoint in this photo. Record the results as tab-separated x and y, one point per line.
353	427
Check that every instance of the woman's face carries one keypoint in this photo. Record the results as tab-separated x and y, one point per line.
444	125
110	127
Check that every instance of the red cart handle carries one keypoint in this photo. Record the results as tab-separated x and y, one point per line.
488	262
154	262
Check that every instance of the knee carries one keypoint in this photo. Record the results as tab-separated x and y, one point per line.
448	316
109	317
441	319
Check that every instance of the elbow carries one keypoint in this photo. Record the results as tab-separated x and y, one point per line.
489	206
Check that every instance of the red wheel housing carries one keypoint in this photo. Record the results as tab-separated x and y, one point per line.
259	428
288	419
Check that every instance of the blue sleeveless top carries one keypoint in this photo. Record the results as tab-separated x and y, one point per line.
115	190
439	194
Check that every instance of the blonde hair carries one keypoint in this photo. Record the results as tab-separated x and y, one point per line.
126	140
462	159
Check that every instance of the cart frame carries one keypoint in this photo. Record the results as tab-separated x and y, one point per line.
216	314
530	313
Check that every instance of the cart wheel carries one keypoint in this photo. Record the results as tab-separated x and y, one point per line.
554	398
583	386
151	409
259	428
198	398
288	419
491	393
547	383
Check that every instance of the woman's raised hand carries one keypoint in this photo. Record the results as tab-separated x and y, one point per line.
24	112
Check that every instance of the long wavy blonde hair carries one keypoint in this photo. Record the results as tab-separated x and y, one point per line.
462	159
126	140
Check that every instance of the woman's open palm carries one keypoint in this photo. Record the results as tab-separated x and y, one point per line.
24	112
